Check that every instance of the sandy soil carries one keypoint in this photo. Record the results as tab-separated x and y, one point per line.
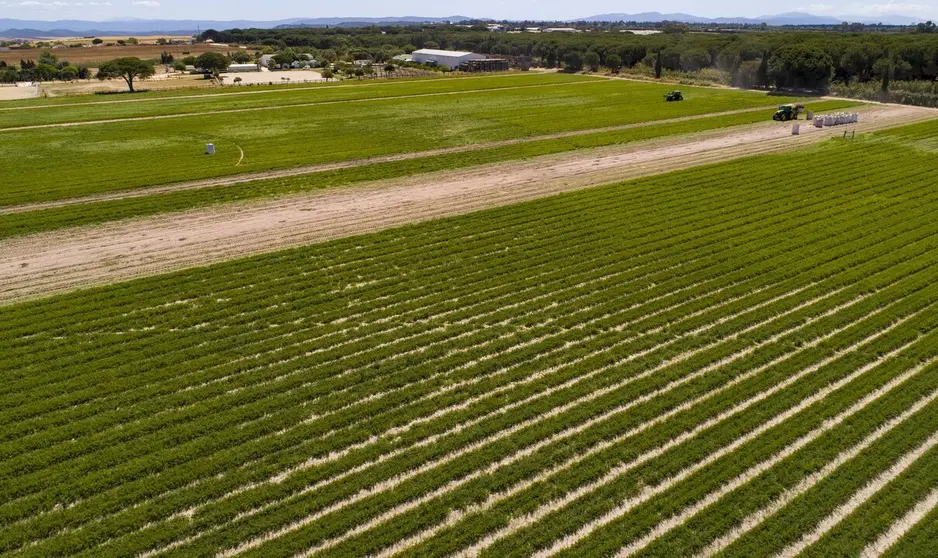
58	261
275	77
12	93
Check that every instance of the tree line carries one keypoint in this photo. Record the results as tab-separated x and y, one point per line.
46	67
787	58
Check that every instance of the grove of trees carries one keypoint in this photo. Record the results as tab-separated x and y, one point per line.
810	59
46	67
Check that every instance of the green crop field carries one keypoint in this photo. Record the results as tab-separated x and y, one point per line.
727	360
96	212
289	129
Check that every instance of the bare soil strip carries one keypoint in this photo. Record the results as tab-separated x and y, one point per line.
310	169
290	106
59	261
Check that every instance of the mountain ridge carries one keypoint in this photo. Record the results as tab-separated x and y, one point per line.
31	29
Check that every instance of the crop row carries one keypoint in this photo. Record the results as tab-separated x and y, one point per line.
678	313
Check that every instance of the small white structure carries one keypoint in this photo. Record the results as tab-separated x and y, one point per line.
243	68
404	58
449	58
561	30
210	149
266	60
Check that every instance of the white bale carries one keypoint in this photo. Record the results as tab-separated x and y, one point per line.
795	129
210	149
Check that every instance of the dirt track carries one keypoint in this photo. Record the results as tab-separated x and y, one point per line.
62	260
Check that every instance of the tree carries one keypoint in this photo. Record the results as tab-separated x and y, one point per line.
801	65
46	57
179	66
591	60
762	74
241	57
97	41
238	79
132	41
212	62
694	59
44	72
166	58
9	75
675	27
389	68
327	74
572	61
68	73
658	65
127	68
614	63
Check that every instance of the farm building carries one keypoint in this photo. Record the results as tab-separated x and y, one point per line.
243	68
265	60
403	58
449	58
561	30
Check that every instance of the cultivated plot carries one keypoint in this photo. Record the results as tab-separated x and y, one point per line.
122	154
717	360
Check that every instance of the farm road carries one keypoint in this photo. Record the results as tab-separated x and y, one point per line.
299	171
59	261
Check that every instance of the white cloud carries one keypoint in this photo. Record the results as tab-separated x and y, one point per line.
147	3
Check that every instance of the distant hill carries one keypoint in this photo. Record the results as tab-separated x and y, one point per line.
27	29
790	18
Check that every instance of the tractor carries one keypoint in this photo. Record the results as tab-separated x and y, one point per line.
674	96
787	112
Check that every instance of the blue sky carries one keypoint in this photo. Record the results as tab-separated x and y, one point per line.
514	9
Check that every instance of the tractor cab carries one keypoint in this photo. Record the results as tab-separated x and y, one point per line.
674	96
788	112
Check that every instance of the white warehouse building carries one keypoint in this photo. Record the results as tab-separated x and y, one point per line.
449	58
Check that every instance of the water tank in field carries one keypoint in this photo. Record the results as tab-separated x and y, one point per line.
210	149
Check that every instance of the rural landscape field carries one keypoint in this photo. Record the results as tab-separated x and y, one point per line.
512	314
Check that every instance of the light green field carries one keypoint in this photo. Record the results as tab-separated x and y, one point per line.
689	363
58	163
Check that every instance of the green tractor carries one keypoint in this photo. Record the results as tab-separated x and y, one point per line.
787	112
674	96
